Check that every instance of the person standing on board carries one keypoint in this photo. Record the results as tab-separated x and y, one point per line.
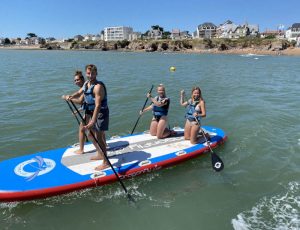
159	106
96	112
195	110
79	81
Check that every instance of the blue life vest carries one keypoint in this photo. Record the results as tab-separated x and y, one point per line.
161	110
89	97
191	109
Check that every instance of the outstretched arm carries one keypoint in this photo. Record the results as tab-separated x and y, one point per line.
72	96
146	109
182	99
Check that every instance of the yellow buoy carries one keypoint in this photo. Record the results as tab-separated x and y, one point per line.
172	68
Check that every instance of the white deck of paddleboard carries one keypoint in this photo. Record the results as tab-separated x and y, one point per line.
125	150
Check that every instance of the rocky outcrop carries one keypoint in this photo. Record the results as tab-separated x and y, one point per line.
191	45
151	47
51	46
222	47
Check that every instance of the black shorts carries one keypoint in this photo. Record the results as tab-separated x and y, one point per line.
102	120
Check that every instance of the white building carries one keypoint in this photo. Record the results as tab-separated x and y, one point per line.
117	33
293	33
135	36
230	30
88	37
206	30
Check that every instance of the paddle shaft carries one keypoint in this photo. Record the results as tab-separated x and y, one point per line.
73	112
106	158
75	117
217	163
142	111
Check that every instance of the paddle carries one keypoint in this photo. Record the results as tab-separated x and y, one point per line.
216	161
86	139
73	112
142	111
106	158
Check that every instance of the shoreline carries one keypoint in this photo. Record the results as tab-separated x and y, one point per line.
295	51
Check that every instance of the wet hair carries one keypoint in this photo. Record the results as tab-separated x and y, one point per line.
91	67
79	74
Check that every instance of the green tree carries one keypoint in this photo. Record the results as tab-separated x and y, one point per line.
123	43
31	35
272	36
166	35
7	41
157	27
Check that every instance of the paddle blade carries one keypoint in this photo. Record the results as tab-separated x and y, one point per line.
130	198
217	163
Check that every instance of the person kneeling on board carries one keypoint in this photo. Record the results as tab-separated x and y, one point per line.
195	110
160	107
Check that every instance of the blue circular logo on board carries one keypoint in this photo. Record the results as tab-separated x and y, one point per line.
37	166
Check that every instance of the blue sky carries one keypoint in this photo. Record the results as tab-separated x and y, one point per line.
66	18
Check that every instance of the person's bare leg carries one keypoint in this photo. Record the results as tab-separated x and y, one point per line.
153	128
104	140
162	130
99	154
81	137
194	134
100	137
187	131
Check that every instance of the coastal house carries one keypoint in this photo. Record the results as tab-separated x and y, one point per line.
155	32
17	41
117	33
50	39
206	30
185	34
88	37
231	30
34	41
2	40
135	36
246	30
78	38
252	30
226	30
293	33
96	37
273	33
176	34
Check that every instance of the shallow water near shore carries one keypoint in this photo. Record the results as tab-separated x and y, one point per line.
254	99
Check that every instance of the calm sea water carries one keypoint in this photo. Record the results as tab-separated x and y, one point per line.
255	99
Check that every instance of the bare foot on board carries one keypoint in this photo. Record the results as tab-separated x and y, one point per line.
96	158
101	167
78	151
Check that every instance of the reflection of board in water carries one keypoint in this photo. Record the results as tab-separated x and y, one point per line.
64	171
